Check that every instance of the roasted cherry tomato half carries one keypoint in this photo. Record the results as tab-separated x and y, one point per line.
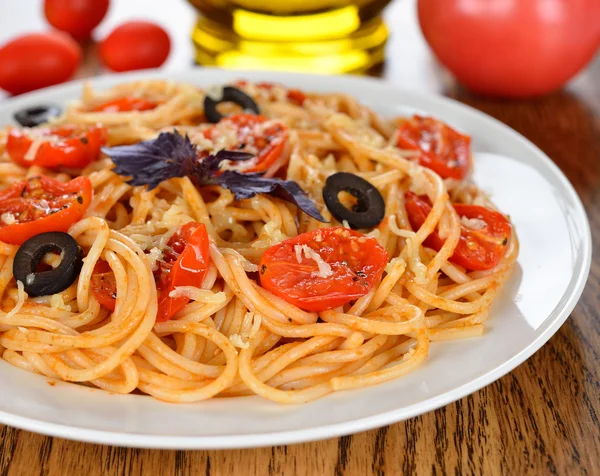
322	269
41	204
441	148
126	104
55	147
483	237
258	135
103	285
185	263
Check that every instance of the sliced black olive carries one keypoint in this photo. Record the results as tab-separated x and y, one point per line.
370	207
30	254
36	115
230	94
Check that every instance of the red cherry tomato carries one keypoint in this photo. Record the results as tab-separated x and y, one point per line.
76	17
63	146
512	48
477	249
441	148
264	138
41	204
135	45
103	285
38	60
353	264
185	263
126	104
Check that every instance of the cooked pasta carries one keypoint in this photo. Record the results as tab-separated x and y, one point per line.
235	329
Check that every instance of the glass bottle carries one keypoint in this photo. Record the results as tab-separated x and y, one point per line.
326	36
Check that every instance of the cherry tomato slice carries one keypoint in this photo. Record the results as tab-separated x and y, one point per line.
41	204
351	265
256	134
103	285
478	248
186	264
442	149
126	104
63	146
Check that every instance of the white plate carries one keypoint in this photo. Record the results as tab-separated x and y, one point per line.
552	269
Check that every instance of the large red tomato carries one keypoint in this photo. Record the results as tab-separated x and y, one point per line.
512	48
76	17
38	60
135	45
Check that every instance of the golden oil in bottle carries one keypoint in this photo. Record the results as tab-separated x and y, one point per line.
323	36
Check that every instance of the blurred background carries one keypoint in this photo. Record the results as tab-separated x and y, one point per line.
500	48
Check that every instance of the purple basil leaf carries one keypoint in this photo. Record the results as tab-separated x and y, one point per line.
247	185
169	155
152	161
208	167
173	155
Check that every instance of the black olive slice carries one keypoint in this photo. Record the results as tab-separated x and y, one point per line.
230	94
369	209
36	115
30	255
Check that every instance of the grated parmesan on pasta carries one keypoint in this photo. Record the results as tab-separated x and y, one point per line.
324	268
473	223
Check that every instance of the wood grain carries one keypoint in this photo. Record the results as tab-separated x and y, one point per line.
542	418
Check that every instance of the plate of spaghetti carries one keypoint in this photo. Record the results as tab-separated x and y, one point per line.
218	259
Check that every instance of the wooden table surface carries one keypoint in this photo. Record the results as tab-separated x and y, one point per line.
542	418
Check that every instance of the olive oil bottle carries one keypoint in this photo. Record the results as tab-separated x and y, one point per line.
324	36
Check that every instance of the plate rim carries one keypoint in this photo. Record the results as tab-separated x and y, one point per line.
315	433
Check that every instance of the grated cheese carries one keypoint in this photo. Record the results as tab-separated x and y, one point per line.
33	149
154	256
8	218
57	302
324	271
473	223
215	92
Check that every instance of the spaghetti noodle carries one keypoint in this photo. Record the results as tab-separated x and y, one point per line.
232	336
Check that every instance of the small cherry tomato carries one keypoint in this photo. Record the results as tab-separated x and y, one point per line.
256	134
480	246
41	204
103	285
126	104
441	148
38	60
512	48
135	45
76	17
62	146
185	264
322	269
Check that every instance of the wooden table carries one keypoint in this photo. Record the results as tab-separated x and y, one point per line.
542	418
